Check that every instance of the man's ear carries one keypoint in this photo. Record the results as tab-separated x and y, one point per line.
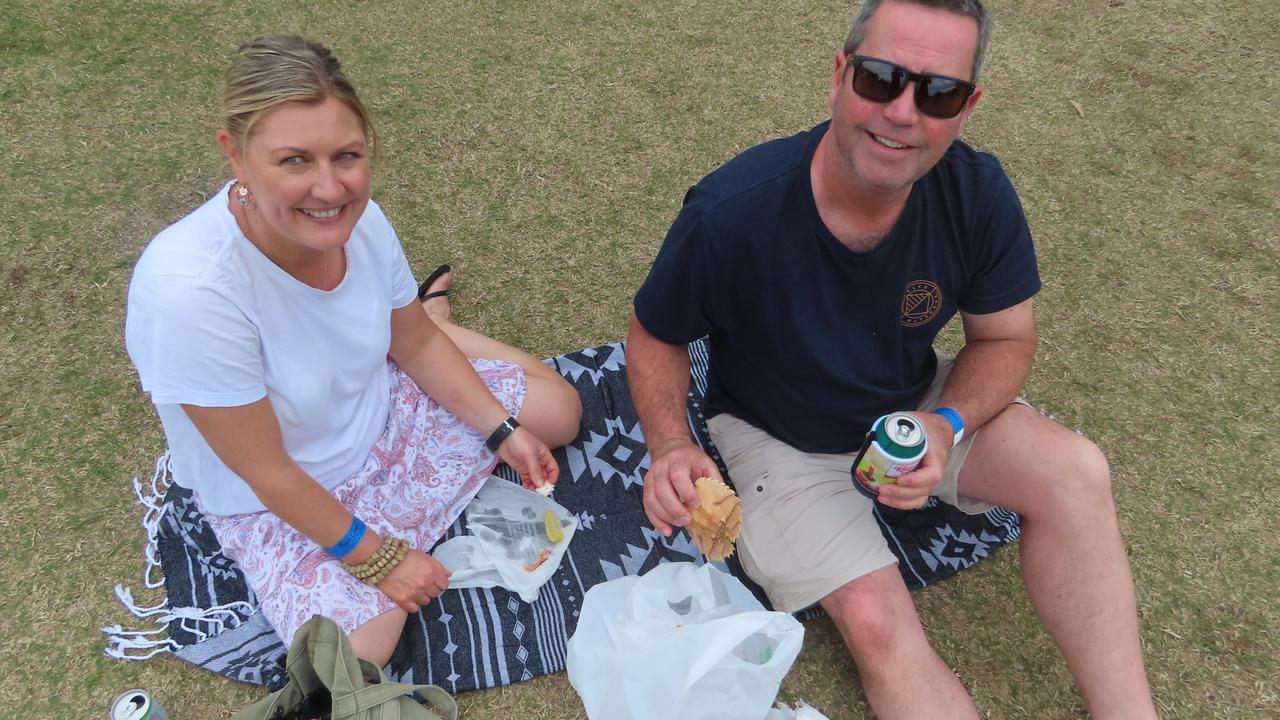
968	107
837	77
973	99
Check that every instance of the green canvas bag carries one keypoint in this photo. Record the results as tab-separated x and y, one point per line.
328	682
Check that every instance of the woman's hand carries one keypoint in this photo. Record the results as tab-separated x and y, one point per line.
416	581
530	457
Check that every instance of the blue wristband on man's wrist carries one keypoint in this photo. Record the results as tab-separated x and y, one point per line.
354	535
957	423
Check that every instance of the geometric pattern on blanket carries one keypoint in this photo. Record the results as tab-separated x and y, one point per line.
480	638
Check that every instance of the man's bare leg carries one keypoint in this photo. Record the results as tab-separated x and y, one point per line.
1073	558
901	674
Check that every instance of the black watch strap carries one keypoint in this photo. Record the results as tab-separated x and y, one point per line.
503	432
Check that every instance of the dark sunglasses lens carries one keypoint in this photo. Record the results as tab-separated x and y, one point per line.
877	81
941	97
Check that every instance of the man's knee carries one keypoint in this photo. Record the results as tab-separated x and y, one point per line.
1088	474
1032	464
876	619
1082	481
1095	471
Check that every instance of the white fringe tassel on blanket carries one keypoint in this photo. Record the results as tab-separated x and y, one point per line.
143	644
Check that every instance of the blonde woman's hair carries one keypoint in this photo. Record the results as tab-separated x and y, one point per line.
276	69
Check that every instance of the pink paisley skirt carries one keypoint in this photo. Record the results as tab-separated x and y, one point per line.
419	476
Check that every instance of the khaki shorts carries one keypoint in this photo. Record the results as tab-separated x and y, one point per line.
806	530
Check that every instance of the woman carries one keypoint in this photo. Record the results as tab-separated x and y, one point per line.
261	325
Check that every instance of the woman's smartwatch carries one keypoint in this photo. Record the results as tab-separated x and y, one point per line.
503	432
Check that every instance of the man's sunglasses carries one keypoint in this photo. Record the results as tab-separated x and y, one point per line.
881	81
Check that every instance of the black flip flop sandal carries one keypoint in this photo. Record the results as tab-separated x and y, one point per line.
423	295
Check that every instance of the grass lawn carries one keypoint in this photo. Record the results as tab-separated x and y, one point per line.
542	149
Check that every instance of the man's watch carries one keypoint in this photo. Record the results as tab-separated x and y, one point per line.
503	432
956	422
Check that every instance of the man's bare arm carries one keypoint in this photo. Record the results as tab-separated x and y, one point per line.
658	373
993	365
988	374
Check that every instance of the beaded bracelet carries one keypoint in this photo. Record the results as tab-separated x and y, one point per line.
379	565
402	550
375	562
372	562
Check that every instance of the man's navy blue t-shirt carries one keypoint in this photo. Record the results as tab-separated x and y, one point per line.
811	341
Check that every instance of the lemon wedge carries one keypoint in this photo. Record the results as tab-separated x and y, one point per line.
552	524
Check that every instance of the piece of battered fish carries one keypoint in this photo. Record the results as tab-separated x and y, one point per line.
717	521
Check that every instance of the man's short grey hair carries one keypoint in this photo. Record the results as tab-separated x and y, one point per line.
967	8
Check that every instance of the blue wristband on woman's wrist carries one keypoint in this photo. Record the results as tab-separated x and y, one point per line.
354	535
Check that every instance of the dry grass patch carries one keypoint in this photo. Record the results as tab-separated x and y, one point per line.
542	150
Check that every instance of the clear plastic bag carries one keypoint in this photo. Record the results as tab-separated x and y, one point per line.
509	546
681	641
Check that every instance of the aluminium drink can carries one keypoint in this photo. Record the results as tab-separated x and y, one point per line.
136	704
893	448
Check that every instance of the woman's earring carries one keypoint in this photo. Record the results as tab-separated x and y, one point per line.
243	195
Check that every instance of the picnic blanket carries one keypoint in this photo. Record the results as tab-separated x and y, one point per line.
470	639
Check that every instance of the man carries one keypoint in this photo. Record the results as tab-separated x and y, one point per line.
822	267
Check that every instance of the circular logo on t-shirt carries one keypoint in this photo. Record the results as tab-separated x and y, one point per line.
920	303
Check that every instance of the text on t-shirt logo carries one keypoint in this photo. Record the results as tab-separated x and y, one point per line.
920	302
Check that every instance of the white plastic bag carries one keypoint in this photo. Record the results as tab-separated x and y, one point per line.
508	540
681	641
802	711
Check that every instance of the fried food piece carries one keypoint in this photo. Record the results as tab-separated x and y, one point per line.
715	524
543	555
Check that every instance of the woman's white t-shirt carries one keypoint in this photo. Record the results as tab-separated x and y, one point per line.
212	322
